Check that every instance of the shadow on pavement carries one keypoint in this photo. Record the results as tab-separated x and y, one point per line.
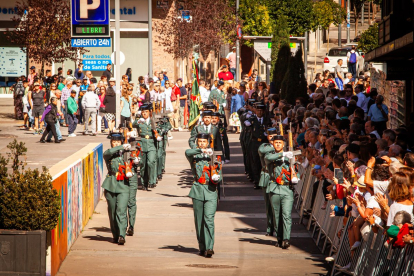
180	248
258	241
101	229
99	238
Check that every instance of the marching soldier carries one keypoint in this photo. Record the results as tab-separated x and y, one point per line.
117	187
148	135
206	127
207	174
258	136
264	149
166	127
282	177
215	121
206	106
135	163
218	98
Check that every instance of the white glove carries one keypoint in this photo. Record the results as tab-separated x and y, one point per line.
250	112
209	151
159	138
129	174
265	134
224	104
141	120
295	180
132	134
136	160
126	146
288	154
215	177
248	116
247	123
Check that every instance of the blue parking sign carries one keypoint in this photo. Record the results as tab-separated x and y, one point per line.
90	18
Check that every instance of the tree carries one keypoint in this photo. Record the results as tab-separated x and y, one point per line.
280	38
212	24
28	200
280	67
299	14
43	31
256	19
327	12
369	39
294	83
357	4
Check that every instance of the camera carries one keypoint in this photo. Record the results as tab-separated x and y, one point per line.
379	160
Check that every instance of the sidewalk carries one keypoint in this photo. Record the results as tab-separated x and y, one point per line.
165	242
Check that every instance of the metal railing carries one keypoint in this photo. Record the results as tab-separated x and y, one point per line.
372	258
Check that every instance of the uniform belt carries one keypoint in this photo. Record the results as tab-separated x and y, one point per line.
112	173
146	136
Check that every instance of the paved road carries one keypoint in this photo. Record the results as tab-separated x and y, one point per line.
165	241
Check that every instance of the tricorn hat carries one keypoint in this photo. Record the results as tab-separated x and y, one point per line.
203	136
277	137
146	107
272	131
216	114
207	113
116	136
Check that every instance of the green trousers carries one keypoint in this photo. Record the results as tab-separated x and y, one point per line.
149	167
160	155
204	212
132	202
269	212
117	212
282	211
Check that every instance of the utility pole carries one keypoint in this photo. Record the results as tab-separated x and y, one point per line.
339	29
348	21
237	45
150	38
118	61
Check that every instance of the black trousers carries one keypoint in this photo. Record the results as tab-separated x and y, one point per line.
50	127
226	147
126	121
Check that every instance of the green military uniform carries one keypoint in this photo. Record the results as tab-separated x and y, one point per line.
132	201
116	192
264	149
281	192
166	127
223	136
148	153
204	195
218	96
242	116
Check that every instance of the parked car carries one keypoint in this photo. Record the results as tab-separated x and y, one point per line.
335	53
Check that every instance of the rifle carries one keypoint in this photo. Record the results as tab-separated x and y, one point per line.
215	102
216	168
128	170
154	128
298	152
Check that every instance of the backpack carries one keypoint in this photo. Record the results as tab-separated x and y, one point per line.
19	89
352	58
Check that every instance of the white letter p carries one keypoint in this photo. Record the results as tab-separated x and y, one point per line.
84	7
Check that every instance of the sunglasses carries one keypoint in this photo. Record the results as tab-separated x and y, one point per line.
167	83
130	90
157	86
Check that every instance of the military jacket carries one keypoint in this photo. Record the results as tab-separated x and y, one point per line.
147	137
264	149
258	130
218	145
220	97
203	188
113	159
279	172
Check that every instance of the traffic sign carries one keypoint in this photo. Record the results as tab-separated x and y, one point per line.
91	42
90	18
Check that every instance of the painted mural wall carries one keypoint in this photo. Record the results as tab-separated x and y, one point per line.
79	188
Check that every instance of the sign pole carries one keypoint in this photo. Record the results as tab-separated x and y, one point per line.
237	77
117	49
150	39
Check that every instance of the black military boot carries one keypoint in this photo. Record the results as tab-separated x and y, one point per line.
121	240
286	244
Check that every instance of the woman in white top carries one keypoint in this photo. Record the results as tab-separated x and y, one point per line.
399	192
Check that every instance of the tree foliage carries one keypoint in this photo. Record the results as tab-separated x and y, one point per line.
294	82
256	19
280	38
28	200
280	67
327	12
299	14
212	24
369	39
43	31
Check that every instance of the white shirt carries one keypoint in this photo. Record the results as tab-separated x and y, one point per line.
155	78
362	102
208	128
167	96
376	134
395	208
147	121
204	94
260	120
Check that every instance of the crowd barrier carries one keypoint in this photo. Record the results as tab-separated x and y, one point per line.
372	258
78	180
